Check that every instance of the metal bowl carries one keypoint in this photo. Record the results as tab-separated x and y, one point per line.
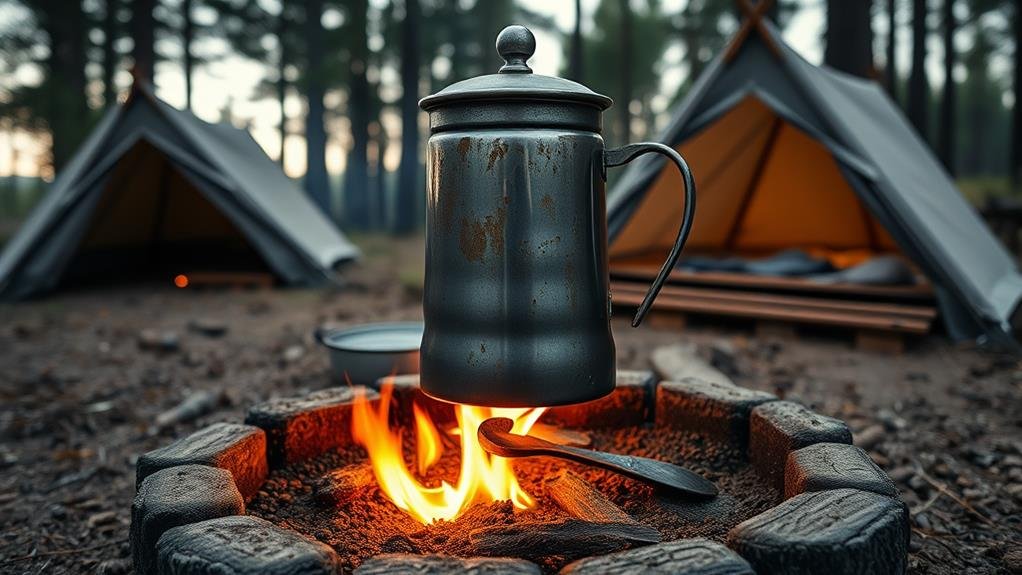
365	353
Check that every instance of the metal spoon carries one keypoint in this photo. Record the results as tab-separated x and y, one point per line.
495	436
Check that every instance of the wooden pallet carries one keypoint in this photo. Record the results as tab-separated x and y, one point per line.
878	326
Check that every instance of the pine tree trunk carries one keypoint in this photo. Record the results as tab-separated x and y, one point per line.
282	60
317	186
1016	132
576	70
918	86
850	37
356	175
625	73
946	147
892	45
187	37
69	112
409	186
109	63
143	33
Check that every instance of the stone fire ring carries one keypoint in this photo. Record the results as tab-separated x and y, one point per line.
840	514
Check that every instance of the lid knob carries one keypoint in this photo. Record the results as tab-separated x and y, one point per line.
516	45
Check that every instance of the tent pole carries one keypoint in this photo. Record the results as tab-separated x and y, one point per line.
757	175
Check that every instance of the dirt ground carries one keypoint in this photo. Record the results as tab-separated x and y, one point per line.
79	400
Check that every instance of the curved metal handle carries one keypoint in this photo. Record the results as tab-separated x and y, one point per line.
625	154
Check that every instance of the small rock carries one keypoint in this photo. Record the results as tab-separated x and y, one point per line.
208	327
114	567
293	353
777	428
690	556
824	466
680	361
161	341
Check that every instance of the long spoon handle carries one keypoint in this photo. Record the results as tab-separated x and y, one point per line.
495	436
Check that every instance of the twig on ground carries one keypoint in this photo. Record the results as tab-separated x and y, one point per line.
58	552
954	497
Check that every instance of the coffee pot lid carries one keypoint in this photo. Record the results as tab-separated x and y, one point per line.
515	80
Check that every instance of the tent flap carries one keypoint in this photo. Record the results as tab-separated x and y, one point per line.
149	173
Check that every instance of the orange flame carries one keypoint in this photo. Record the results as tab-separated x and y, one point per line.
482	477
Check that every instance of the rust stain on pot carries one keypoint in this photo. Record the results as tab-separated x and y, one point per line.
547	203
464	145
472	240
494	227
497	152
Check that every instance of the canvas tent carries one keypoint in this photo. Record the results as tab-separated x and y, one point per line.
155	190
788	154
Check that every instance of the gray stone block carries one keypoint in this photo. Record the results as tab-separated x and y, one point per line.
408	564
300	428
825	466
779	427
689	556
178	496
629	404
842	531
241	545
240	449
718	410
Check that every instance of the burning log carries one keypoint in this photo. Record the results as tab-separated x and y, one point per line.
578	497
598	527
344	485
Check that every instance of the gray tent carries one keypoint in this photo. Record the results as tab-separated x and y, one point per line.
790	154
155	190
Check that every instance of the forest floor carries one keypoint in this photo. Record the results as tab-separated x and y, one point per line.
79	398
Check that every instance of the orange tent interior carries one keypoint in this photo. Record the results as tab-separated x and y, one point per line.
764	186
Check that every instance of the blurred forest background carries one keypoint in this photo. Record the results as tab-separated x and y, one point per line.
338	80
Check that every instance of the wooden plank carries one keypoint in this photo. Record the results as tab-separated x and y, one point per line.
841	319
632	269
579	498
928	313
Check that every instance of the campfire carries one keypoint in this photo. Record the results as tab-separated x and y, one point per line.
482	477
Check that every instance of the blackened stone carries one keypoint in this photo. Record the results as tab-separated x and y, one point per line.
628	405
689	556
409	564
240	449
832	466
241	545
718	410
299	428
777	428
835	532
178	496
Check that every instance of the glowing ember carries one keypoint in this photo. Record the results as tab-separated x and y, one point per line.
483	477
181	281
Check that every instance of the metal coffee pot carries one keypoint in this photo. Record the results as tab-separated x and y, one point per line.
517	301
